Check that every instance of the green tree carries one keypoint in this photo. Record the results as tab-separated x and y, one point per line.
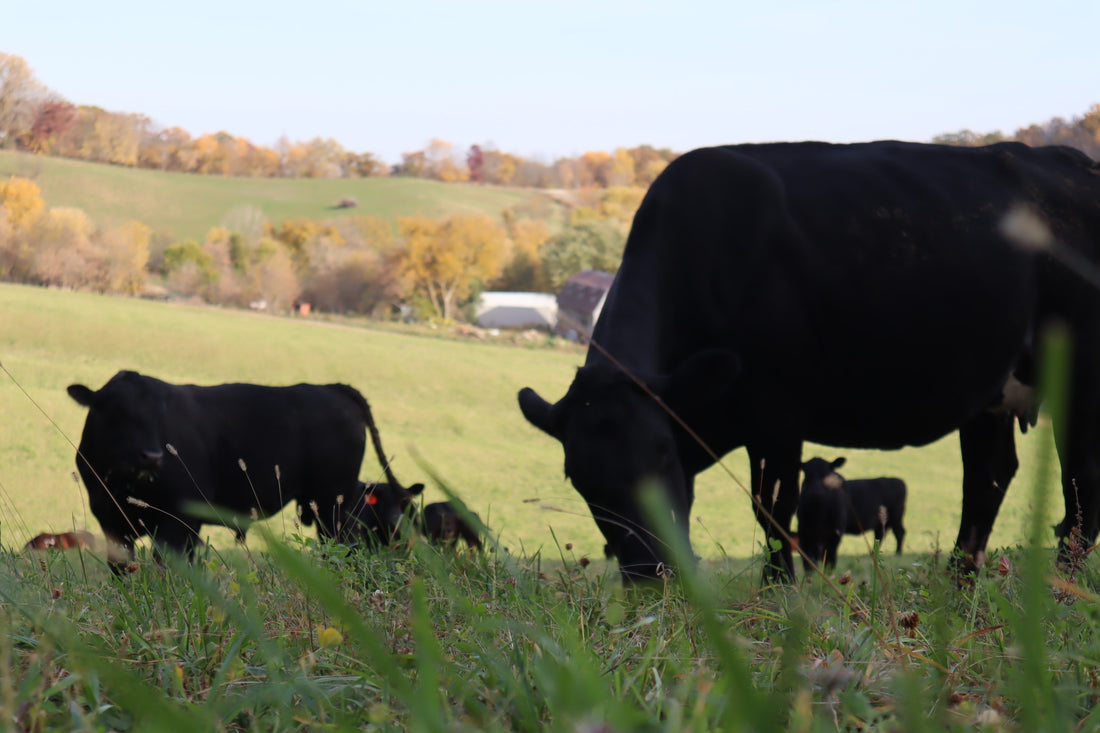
178	257
590	244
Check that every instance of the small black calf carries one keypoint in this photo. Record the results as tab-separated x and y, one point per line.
831	506
444	525
377	515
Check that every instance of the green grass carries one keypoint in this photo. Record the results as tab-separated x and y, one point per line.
180	206
287	634
451	402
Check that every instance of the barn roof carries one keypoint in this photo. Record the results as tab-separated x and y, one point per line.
584	291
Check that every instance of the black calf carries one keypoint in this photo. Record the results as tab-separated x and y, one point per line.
831	506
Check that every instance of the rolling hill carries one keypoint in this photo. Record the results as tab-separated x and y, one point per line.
182	205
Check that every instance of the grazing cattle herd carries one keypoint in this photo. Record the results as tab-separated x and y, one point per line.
863	295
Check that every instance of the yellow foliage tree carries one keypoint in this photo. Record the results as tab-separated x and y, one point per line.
443	260
124	253
63	251
22	200
620	169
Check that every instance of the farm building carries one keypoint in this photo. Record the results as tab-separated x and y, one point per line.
579	303
516	310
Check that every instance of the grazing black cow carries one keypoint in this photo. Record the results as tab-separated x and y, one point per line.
234	449
863	295
830	506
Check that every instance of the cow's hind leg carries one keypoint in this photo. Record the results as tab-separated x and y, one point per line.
1078	440
989	462
899	534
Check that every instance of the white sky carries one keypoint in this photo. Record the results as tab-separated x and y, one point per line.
547	79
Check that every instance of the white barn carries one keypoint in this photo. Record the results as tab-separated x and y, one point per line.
501	309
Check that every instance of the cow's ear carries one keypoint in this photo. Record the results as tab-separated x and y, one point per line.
705	377
415	489
537	410
81	394
838	462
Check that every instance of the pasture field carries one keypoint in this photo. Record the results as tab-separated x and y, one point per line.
185	206
447	402
288	634
452	402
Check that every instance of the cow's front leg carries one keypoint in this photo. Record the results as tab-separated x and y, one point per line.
988	445
774	471
179	539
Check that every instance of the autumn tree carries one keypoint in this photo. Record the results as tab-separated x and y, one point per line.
53	119
22	200
20	94
524	270
21	205
475	163
121	254
443	260
306	240
63	251
271	276
359	275
620	169
499	168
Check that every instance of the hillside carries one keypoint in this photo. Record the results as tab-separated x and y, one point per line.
181	205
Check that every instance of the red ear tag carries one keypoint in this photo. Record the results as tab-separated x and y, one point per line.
371	499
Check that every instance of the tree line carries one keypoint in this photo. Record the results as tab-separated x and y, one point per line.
429	268
37	120
1081	132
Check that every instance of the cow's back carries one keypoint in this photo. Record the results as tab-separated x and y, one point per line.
288	438
851	280
873	501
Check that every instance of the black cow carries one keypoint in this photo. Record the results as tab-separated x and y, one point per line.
236	450
830	506
865	295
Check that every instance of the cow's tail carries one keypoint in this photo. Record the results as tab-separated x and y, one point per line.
376	439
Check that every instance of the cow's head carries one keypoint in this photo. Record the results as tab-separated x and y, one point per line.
378	512
618	439
123	433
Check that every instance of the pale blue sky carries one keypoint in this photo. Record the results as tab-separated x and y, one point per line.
546	79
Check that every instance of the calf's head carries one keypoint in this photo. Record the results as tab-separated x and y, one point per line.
618	440
821	509
378	511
